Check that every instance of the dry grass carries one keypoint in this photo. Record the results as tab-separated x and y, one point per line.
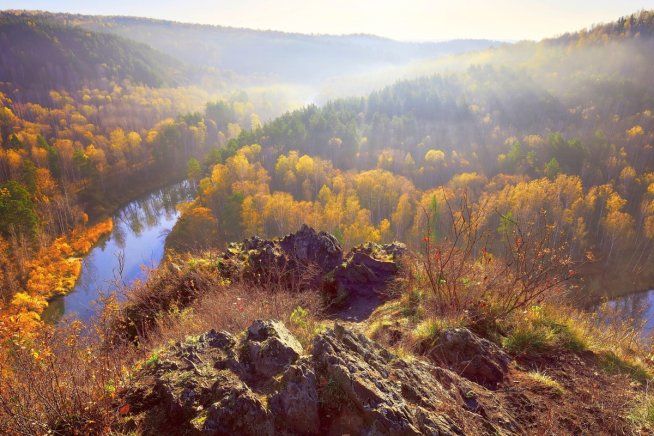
63	382
412	322
547	382
555	327
642	413
173	287
233	308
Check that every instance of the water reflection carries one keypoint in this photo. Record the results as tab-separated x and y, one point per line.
137	242
637	308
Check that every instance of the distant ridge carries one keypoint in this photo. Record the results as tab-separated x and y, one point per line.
38	54
282	56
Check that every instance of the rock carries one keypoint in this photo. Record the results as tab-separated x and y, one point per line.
388	394
307	246
271	348
295	405
297	259
470	356
235	410
180	382
308	259
212	384
366	271
349	384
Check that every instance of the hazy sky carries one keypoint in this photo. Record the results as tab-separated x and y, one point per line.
407	19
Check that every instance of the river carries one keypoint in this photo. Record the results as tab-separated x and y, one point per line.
637	308
135	244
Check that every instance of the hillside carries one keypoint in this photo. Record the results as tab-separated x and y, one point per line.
277	56
38	54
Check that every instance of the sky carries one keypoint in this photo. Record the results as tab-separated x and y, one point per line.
417	20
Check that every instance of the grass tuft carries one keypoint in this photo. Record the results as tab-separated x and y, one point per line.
547	382
642	414
542	329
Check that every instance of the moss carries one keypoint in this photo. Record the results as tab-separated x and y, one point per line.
198	421
152	360
332	397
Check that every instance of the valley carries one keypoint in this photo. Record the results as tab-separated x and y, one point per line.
208	229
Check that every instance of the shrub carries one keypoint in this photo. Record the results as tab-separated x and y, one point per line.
63	382
465	267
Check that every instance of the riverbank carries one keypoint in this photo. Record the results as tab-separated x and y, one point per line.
54	270
597	283
105	203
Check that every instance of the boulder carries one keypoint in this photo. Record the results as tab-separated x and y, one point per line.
270	348
366	271
470	356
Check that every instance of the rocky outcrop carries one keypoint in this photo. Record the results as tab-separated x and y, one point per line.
310	259
373	389
470	356
262	383
297	259
270	348
307	246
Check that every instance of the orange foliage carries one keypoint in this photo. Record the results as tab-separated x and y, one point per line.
54	270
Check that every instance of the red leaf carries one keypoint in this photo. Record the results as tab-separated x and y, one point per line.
124	409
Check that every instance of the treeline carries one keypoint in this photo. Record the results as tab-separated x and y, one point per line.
270	55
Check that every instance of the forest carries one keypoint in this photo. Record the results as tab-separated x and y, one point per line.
503	189
510	137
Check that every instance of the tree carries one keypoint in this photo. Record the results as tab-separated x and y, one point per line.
17	211
194	170
197	228
552	169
